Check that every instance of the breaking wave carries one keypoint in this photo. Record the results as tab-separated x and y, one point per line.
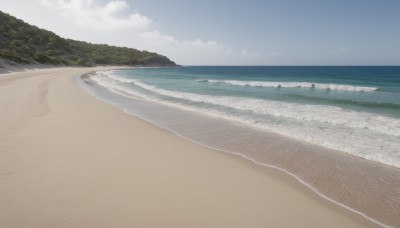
292	85
367	135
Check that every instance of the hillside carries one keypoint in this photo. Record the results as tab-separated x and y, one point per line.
22	43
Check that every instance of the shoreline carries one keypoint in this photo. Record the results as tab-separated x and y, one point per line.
377	209
139	183
377	204
338	129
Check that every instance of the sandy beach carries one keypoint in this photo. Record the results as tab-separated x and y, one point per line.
68	159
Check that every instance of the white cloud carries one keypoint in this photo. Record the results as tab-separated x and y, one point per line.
207	45
90	14
115	22
249	54
155	38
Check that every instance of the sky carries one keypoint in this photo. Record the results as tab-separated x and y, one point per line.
229	32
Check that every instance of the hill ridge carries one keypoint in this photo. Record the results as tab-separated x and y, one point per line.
22	43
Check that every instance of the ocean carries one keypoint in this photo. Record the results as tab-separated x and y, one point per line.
355	110
334	129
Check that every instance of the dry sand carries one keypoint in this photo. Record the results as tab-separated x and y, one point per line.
68	159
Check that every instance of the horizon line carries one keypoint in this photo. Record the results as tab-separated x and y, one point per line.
205	65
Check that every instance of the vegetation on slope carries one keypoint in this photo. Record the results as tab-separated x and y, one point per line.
26	44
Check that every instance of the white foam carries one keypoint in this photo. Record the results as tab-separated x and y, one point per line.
318	113
361	134
120	79
293	85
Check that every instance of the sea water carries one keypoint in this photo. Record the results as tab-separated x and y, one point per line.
354	110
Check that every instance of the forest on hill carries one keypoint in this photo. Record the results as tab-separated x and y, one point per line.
22	43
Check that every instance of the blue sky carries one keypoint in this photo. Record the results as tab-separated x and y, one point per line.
222	32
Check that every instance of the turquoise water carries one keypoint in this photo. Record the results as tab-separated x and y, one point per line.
355	110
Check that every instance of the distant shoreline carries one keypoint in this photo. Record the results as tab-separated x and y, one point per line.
8	68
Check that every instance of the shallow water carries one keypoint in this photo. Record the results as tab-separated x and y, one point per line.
351	109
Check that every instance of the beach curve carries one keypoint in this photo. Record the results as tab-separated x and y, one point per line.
69	159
